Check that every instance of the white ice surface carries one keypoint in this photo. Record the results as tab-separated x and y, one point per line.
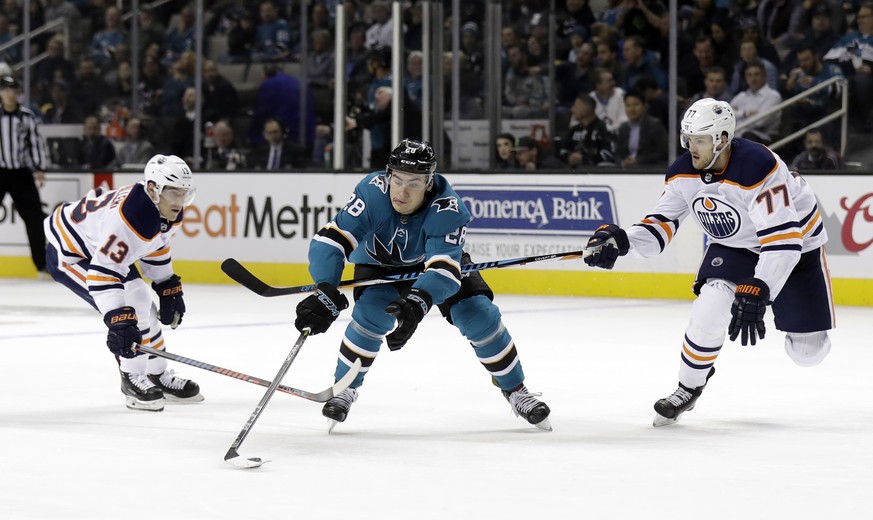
430	437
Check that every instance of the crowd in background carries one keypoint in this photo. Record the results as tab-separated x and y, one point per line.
610	93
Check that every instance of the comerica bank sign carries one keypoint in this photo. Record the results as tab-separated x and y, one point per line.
537	209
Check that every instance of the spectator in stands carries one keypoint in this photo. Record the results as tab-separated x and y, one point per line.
820	34
575	77
12	54
181	38
273	38
817	154
809	73
607	57
380	32
103	43
60	111
182	131
642	139
508	38
693	71
724	43
67	12
610	100
530	157
413	20
588	142
748	54
319	19
757	99
471	46
609	15
96	152
54	66
151	82
525	95
412	81
136	149
279	97
854	53
577	39
575	18
504	156
276	153
220	98
320	71
750	28
716	86
174	88
639	62
657	99
121	90
642	18
775	19
357	73
89	90
241	38
151	30
226	155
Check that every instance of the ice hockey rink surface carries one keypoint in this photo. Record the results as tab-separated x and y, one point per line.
430	437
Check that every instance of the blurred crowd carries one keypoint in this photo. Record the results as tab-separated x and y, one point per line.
609	98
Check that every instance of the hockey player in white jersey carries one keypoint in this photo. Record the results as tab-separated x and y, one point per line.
93	244
766	247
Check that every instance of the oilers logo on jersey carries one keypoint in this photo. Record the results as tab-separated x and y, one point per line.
717	218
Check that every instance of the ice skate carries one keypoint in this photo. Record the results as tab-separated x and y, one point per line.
140	393
176	389
525	404
669	409
337	408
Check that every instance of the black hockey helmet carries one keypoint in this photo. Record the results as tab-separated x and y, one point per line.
8	82
413	156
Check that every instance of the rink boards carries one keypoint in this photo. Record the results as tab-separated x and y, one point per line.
267	220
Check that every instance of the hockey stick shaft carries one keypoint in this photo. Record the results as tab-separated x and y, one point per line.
318	397
247	279
232	452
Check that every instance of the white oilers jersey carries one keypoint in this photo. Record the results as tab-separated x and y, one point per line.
105	233
755	203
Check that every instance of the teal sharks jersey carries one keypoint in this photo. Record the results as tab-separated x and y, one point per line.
369	231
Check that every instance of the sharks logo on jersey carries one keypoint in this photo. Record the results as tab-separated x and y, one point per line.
717	218
379	182
446	204
392	254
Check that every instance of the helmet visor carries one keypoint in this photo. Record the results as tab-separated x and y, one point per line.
178	196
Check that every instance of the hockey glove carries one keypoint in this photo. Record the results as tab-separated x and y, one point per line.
123	332
172	304
318	311
747	313
605	246
409	311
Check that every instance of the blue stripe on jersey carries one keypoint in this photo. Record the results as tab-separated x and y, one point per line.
156	262
96	288
785	247
805	219
69	228
655	232
695	365
662	218
107	272
59	240
780	227
818	230
141	214
698	348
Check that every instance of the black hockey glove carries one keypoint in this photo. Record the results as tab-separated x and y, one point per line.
409	311
172	304
318	311
751	299
606	244
123	332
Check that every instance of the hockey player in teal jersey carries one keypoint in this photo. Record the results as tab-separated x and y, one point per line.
766	248
408	218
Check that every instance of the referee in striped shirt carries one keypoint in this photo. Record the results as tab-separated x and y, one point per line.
22	161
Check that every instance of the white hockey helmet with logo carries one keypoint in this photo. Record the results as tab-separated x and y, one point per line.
170	171
708	117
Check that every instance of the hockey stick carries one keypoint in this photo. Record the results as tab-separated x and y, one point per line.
319	397
244	277
232	457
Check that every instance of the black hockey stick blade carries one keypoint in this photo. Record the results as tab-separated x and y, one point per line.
244	277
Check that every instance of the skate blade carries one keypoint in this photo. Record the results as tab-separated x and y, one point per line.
194	399
133	403
545	425
331	424
660	420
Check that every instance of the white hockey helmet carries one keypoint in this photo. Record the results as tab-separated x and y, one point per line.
708	117
170	171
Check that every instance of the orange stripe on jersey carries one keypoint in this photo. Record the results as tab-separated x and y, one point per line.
663	226
95	278
695	356
682	176
159	252
121	214
72	271
815	220
60	226
785	236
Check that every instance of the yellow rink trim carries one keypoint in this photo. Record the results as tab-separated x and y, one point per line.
847	291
